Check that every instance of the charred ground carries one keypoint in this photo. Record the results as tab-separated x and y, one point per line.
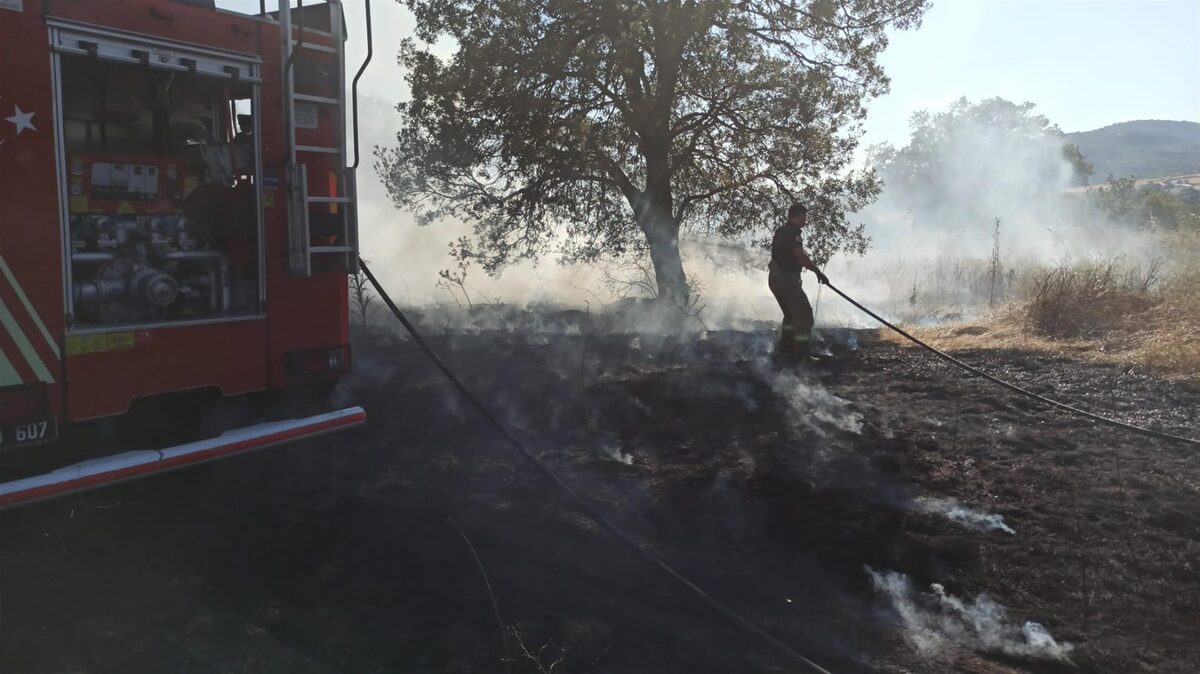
773	491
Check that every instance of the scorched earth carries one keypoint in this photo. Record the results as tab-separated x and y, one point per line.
879	513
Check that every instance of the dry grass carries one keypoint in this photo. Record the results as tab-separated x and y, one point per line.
1005	328
1090	299
1169	338
1109	312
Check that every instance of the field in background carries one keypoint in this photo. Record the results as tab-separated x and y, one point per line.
1110	310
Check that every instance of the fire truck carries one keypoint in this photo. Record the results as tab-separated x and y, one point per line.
177	215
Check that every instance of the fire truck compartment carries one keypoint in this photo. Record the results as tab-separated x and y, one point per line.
162	202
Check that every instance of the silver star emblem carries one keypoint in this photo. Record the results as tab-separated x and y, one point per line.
22	120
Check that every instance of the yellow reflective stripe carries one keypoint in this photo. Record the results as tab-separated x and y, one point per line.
12	279
27	350
8	374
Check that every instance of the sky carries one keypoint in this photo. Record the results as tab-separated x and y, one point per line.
1085	63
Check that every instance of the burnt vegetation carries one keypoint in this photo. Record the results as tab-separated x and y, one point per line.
421	543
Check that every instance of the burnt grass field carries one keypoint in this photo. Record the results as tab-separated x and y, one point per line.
775	491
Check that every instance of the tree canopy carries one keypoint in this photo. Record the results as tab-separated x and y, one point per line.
1124	202
607	126
973	161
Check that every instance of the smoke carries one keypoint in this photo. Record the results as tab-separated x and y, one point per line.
930	255
958	513
811	404
934	619
934	237
611	450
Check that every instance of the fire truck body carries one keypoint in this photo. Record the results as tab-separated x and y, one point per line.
175	210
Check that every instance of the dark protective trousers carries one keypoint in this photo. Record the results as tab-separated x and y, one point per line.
797	312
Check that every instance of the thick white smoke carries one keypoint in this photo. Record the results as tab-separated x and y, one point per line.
809	403
936	619
933	239
958	513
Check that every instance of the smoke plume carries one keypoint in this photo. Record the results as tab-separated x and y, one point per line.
811	404
935	619
958	513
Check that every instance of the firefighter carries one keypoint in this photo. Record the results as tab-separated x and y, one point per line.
788	258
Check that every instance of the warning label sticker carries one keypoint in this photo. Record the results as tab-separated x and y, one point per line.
305	115
78	345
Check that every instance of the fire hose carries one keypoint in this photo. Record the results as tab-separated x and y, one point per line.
1071	409
576	498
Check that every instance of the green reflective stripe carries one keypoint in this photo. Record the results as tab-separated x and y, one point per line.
8	374
29	307
27	350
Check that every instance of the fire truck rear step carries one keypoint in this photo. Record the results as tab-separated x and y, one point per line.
142	463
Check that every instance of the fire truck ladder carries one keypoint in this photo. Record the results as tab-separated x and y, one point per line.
342	197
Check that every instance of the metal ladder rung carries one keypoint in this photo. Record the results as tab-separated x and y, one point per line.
312	31
301	246
317	148
323	100
315	47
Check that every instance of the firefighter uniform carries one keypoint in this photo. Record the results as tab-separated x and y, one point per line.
784	281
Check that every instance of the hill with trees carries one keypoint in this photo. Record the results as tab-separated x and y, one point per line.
1147	148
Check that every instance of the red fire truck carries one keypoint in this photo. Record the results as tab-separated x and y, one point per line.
176	214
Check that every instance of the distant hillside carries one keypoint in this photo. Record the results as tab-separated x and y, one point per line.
1147	148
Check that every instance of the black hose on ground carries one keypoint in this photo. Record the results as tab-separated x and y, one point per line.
1141	430
584	506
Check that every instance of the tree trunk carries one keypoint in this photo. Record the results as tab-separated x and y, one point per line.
662	236
655	216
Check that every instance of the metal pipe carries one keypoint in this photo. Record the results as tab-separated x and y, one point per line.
289	108
218	274
293	49
101	290
354	84
92	257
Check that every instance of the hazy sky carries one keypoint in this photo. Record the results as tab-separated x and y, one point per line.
1085	63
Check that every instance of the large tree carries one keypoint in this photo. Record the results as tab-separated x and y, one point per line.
974	161
606	126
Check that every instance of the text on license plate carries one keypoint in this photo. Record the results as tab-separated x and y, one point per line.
28	431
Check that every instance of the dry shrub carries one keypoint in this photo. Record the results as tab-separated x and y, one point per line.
1091	298
1171	334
